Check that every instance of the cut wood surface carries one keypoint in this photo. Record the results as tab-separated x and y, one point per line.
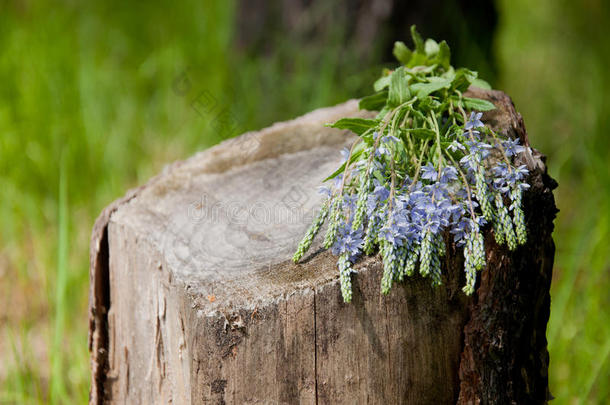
194	298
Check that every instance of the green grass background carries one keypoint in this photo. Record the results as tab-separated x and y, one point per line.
93	100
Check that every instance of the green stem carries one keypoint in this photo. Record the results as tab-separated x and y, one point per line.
438	142
468	191
493	134
416	176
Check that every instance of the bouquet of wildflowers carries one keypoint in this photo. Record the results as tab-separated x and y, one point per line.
424	172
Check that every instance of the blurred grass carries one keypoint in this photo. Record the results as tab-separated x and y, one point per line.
58	389
554	60
96	97
101	94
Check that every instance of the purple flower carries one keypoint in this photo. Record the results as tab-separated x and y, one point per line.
389	139
349	201
386	233
473	133
371	204
480	148
396	232
456	211
348	241
382	150
506	177
381	166
406	183
521	172
455	145
512	147
470	162
474	121
325	191
459	231
428	172
337	181
380	191
500	170
437	190
448	174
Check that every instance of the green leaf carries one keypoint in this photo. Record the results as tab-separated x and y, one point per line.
427	104
449	73
356	125
431	47
463	78
481	84
400	149
417	40
383	112
374	102
435	83
399	90
419	59
478	104
415	112
418	73
401	113
422	133
443	57
382	83
377	174
401	52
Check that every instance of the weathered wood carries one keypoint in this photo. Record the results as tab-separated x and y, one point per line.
194	298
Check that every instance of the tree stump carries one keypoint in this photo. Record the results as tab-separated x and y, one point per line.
194	298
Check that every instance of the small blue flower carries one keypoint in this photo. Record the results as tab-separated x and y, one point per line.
470	162
455	145
389	139
500	170
428	172
349	201
381	166
387	233
397	231
507	177
381	192
459	231
480	221
437	190
521	172
348	241
448	174
474	121
512	147
337	181
325	191
473	133
456	211
371	204
479	148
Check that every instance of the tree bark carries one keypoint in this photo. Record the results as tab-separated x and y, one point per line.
194	298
